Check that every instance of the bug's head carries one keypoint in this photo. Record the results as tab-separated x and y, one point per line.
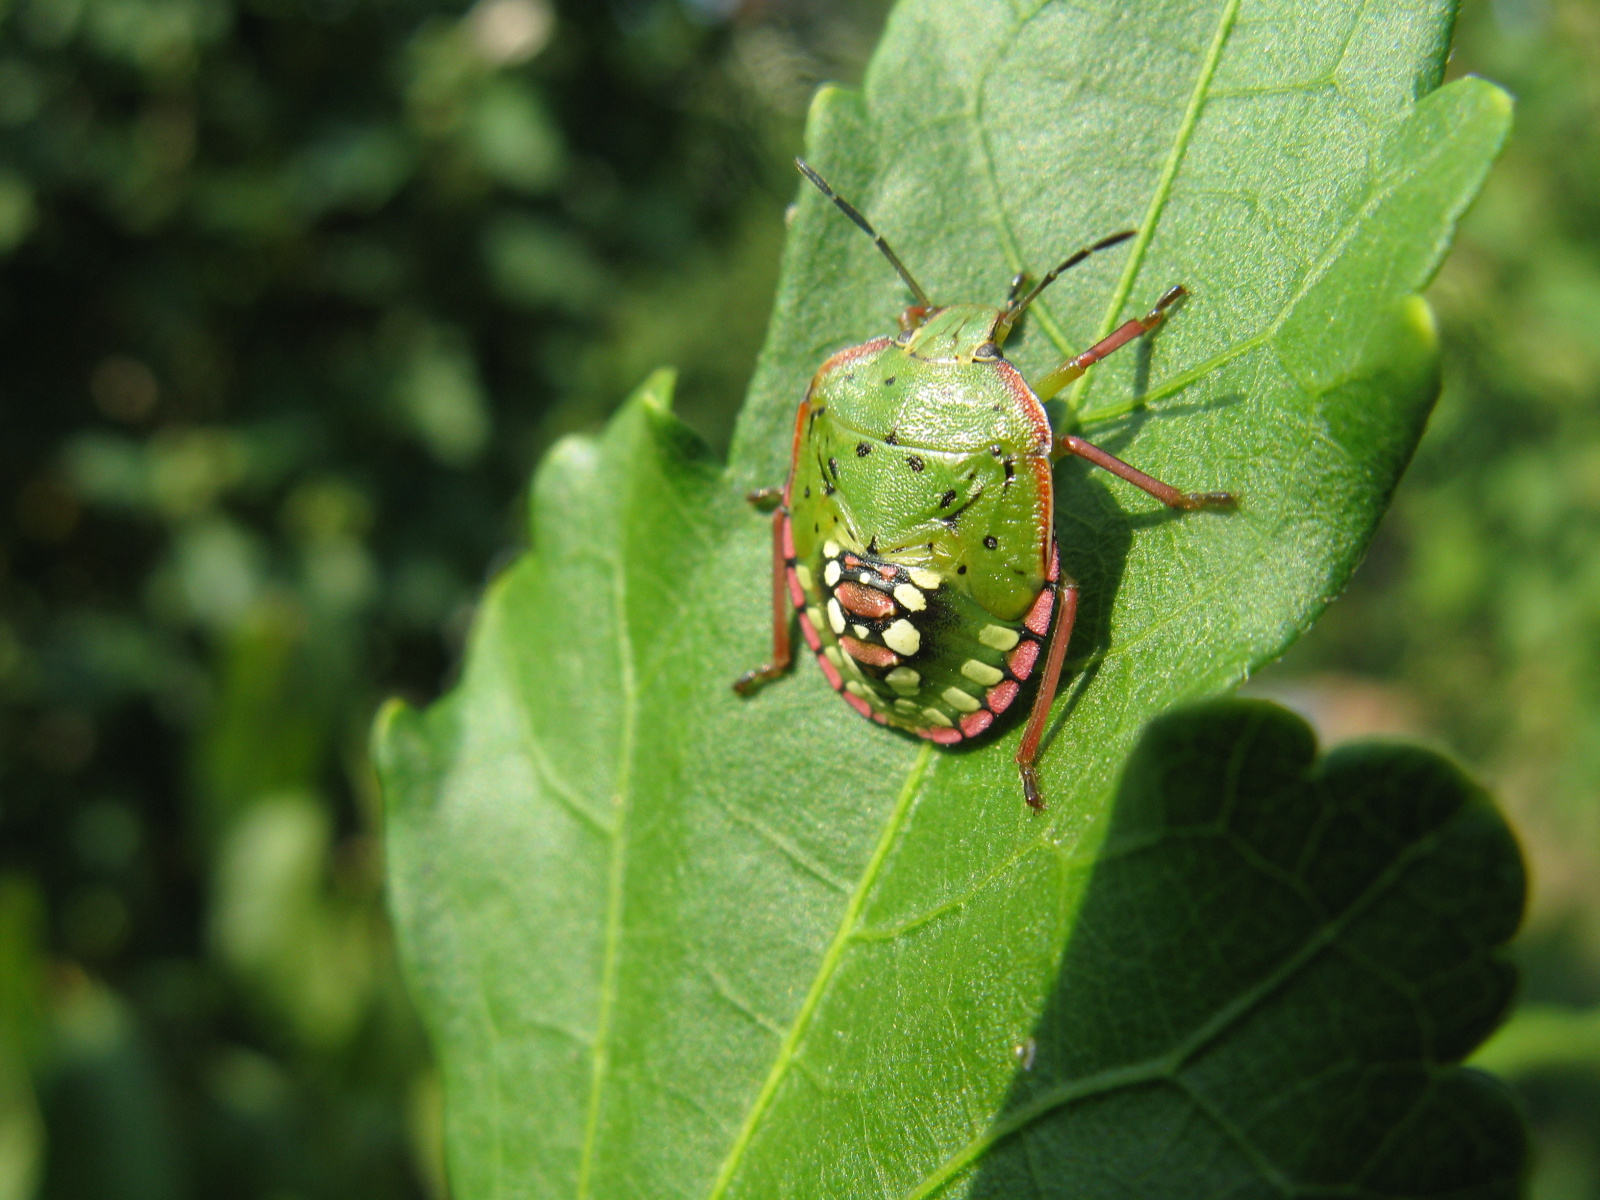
956	333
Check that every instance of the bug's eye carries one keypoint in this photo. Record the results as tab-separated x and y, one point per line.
987	351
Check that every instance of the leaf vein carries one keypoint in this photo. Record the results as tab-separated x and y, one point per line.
825	970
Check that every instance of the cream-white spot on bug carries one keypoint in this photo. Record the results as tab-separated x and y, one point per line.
906	706
803	574
868	577
860	631
910	597
903	637
816	617
835	656
831	573
830	549
998	637
925	579
965	701
981	672
903	680
935	717
835	616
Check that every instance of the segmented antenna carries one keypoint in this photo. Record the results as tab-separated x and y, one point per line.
849	210
1014	307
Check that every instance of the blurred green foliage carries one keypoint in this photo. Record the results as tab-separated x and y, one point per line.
292	294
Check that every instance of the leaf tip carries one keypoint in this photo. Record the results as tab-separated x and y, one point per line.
657	390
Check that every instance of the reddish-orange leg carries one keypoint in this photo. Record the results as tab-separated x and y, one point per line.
1164	492
1028	751
782	650
1053	382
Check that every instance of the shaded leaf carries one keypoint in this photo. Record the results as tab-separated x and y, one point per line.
1283	955
672	944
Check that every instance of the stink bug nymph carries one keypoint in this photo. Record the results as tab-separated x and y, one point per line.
916	532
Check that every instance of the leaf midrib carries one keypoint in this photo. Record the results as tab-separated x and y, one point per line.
1163	189
842	938
616	876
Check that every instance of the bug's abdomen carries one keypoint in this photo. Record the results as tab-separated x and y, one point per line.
906	649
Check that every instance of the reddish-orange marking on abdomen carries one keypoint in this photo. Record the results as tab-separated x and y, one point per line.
863	601
866	652
831	671
857	703
1002	694
810	631
975	723
795	594
1022	659
942	737
1038	618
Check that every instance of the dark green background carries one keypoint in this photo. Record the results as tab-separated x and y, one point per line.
294	294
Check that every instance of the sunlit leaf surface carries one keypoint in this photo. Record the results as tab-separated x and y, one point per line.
674	944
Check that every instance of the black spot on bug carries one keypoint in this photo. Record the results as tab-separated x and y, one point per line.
872	546
949	498
997	408
862	449
808	491
827	488
962	569
915	463
1011	470
888	381
971	475
991	541
833	467
997	451
892	438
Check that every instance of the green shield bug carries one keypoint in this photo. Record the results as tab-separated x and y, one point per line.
916	532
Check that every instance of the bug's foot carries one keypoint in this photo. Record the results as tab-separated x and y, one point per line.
1030	786
751	680
1212	500
766	499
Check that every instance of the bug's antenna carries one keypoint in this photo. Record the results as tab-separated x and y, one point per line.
1014	306
849	210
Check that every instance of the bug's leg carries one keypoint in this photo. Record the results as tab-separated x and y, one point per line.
1164	492
782	651
1028	751
1052	383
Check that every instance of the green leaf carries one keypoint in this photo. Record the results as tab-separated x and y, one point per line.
669	943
